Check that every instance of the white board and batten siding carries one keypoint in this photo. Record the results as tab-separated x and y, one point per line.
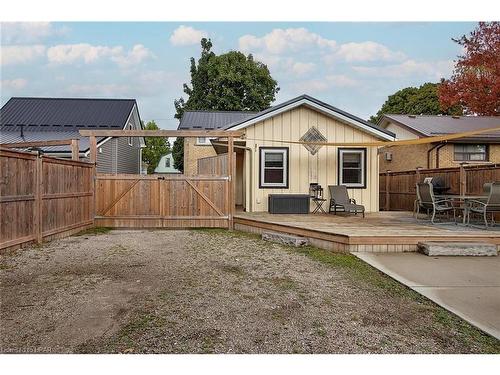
305	168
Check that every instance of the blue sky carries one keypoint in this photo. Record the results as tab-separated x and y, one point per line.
353	66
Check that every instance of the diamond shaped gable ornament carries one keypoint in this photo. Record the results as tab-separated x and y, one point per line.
312	135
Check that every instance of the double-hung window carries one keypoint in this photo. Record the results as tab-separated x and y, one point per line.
469	152
274	167
352	167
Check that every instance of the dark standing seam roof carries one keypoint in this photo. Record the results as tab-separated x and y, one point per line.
314	100
211	120
432	125
60	118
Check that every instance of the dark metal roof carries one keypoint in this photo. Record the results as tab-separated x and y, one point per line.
211	120
314	100
63	114
429	125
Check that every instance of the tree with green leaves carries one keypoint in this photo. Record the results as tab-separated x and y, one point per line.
178	154
155	148
228	82
423	100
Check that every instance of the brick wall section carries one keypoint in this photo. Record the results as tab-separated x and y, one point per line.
404	158
447	156
192	153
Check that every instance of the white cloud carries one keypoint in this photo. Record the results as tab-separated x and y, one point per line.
186	35
301	68
20	54
366	51
284	40
28	32
71	53
135	56
147	84
14	84
87	53
409	68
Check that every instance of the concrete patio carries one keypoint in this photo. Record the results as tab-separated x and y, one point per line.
466	286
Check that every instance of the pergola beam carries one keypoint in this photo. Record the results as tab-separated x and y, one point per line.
161	133
74	143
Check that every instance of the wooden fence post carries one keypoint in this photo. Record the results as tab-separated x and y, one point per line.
75	149
463	180
230	169
387	192
38	199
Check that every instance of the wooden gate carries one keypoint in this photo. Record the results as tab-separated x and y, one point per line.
150	201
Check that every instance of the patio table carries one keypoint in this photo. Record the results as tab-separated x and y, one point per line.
319	205
464	198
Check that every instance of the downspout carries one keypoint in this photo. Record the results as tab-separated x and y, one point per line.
441	145
429	155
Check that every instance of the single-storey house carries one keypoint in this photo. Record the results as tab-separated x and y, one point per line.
481	148
24	119
166	165
268	162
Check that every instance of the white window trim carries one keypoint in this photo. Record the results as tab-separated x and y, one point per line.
360	151
207	143
263	152
130	140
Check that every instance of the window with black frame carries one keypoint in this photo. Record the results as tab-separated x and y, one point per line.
471	152
273	167
352	167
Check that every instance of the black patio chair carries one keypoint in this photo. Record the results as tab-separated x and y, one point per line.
429	202
340	201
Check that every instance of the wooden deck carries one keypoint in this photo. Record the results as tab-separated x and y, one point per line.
378	232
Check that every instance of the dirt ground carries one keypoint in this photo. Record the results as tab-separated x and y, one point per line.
212	291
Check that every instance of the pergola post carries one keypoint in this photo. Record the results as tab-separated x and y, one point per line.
75	149
93	149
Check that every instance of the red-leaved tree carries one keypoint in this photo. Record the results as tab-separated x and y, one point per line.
475	82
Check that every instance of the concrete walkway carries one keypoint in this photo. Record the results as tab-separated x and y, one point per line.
466	286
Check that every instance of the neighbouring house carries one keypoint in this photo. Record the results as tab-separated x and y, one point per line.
481	148
42	119
201	147
166	165
267	163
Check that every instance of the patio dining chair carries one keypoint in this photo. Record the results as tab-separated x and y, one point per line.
484	207
340	201
429	202
417	204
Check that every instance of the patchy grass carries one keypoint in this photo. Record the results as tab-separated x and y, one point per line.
363	272
93	231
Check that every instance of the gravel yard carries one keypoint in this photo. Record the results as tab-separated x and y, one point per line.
212	291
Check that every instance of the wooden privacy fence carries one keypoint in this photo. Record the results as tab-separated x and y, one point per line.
43	197
149	201
397	189
214	165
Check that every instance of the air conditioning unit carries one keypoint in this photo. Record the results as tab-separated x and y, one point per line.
388	156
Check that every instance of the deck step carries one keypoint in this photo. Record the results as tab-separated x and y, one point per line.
458	248
285	239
